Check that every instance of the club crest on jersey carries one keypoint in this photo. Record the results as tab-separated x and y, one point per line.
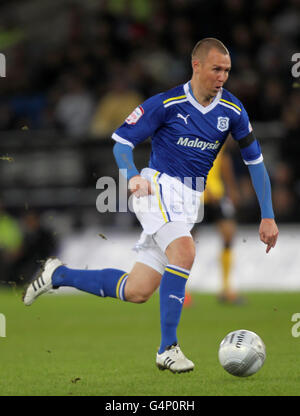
223	123
134	117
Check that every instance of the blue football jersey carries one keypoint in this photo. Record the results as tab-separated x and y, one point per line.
186	136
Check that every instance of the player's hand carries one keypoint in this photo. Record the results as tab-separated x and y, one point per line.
268	233
139	186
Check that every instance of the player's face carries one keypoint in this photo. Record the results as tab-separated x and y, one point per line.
213	72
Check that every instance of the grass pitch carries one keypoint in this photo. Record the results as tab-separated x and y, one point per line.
82	345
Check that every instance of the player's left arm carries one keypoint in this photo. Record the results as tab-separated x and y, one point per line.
253	158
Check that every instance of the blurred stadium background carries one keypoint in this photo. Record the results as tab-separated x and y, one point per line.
76	69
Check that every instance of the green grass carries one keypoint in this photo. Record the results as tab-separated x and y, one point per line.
84	345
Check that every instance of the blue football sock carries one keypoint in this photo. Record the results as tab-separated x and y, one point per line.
106	282
172	293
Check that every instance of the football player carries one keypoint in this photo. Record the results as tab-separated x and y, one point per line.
188	126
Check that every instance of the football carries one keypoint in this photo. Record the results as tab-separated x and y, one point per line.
242	353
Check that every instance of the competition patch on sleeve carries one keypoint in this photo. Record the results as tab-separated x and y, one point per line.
134	117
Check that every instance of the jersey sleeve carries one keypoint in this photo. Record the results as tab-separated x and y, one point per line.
241	126
142	122
242	132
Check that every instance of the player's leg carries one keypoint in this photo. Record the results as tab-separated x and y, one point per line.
143	281
180	253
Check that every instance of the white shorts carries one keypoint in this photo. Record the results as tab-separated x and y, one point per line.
171	201
151	248
168	214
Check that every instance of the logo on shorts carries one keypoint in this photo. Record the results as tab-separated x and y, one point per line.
223	123
134	117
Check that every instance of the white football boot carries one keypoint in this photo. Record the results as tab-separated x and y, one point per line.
174	360
43	282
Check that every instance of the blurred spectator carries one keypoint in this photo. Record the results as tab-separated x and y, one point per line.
75	107
159	64
113	108
155	37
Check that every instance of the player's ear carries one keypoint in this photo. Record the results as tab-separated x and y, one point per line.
196	64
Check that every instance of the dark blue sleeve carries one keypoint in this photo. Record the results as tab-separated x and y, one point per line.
251	154
142	122
240	126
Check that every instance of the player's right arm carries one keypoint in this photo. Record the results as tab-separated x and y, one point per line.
138	126
124	158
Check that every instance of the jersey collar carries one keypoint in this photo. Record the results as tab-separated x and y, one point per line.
195	103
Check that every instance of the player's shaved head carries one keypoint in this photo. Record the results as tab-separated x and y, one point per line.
211	64
203	47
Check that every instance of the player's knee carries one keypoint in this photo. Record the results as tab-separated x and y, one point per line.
141	283
185	261
138	297
142	298
136	294
182	253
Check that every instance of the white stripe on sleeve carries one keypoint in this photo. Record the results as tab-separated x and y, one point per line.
120	139
255	161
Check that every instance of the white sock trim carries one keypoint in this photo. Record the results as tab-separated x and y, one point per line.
180	269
